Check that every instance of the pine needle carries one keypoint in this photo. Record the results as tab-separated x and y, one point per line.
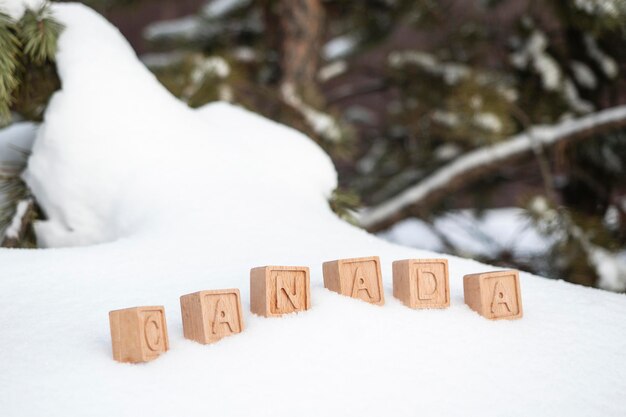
39	33
9	64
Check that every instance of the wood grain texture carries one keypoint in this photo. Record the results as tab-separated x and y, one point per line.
422	283
138	334
211	315
278	290
359	278
494	295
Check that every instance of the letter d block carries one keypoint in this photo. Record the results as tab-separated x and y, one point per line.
495	295
209	316
278	290
138	334
358	278
422	283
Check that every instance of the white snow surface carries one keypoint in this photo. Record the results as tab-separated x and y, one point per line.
164	200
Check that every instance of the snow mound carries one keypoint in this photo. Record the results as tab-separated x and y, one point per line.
170	200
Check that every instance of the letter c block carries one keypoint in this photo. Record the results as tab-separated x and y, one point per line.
209	316
278	290
495	295
138	334
422	283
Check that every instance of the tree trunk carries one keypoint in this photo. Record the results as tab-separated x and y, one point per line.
302	24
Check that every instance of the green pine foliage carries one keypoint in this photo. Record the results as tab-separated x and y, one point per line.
27	50
38	33
9	63
28	78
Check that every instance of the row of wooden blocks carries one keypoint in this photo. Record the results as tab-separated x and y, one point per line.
140	334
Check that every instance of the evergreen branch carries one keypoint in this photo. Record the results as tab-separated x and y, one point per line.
39	32
484	161
9	65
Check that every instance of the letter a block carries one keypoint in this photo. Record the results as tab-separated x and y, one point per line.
278	290
422	283
138	334
357	278
209	316
495	295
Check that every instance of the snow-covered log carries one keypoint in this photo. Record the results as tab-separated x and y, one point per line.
481	161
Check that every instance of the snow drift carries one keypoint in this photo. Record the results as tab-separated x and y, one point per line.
158	200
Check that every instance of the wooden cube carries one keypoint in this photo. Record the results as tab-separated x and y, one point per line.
422	283
358	278
209	316
138	334
278	290
495	295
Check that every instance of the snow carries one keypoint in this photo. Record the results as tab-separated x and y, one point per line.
488	121
451	72
447	118
584	75
340	46
573	98
322	123
601	8
188	27
607	63
332	70
148	200
15	140
534	52
611	269
162	60
219	8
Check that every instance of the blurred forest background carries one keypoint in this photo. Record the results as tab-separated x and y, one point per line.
492	129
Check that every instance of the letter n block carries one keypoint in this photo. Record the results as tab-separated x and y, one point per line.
208	316
278	290
495	295
422	283
138	334
358	278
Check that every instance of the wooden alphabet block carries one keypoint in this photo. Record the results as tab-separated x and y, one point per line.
495	295
357	278
422	283
208	316
278	290
138	334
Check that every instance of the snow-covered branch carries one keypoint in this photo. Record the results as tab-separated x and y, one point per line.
486	159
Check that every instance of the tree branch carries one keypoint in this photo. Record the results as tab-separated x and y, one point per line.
485	160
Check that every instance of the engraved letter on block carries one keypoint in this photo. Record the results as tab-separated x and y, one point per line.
422	283
357	278
495	295
208	316
278	290
138	334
